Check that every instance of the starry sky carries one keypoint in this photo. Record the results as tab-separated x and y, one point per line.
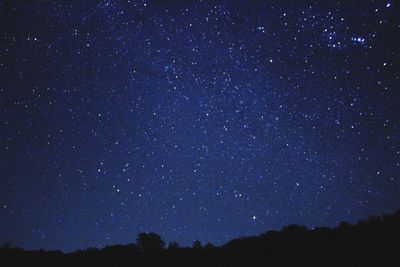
205	120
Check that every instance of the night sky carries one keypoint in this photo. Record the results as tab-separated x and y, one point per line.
205	120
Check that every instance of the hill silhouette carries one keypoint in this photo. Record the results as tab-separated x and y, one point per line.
371	242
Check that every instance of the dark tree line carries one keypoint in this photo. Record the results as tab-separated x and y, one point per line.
371	242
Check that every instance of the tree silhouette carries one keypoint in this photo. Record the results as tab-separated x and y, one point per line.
6	245
173	246
197	245
371	242
149	242
209	246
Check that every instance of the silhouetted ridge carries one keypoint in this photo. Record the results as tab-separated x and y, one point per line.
371	242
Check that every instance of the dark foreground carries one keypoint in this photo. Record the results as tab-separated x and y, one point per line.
373	242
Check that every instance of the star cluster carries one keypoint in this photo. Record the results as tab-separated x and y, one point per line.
202	120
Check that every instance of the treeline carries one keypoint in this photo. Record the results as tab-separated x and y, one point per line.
371	242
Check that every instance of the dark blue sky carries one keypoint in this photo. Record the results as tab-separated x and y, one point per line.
202	120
